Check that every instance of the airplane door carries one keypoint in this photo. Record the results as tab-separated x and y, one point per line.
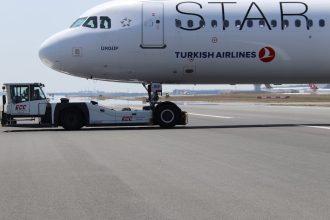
153	25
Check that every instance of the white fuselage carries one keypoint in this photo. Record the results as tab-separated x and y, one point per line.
198	42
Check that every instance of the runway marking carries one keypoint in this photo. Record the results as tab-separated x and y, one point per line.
210	116
319	127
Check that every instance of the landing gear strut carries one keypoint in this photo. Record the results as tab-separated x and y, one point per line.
153	89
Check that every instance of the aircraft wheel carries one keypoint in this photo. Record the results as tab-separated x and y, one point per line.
167	115
72	119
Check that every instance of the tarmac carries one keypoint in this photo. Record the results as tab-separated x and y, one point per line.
233	161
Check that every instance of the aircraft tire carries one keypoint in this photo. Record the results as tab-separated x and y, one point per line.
167	115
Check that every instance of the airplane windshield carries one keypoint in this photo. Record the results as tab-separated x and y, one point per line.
78	22
91	22
105	22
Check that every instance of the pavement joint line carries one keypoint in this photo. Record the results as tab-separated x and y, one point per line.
210	116
319	127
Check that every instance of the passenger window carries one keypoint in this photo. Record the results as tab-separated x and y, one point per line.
202	23
226	23
178	23
105	22
322	23
298	23
262	23
91	22
214	23
37	94
274	23
250	23
20	94
286	23
238	23
310	23
190	23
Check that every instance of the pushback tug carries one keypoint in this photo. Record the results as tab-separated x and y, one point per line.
28	101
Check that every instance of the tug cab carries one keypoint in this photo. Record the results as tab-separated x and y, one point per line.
25	100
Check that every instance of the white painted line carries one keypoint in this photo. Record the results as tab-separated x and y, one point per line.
319	127
210	116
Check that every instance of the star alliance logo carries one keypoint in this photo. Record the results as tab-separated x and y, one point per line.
126	22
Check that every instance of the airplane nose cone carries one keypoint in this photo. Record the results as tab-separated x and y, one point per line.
44	53
55	50
48	54
62	52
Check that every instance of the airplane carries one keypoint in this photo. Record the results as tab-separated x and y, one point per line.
311	88
196	42
321	89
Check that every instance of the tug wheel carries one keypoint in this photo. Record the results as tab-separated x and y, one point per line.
3	119
72	119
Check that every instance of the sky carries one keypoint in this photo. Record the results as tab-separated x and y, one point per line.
26	24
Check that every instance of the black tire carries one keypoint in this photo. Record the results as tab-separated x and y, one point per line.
167	115
4	119
72	119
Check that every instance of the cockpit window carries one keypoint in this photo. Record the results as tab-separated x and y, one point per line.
78	22
91	22
105	22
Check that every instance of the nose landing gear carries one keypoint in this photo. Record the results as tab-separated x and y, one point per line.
165	114
153	89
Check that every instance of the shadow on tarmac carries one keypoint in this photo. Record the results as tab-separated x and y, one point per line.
143	128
